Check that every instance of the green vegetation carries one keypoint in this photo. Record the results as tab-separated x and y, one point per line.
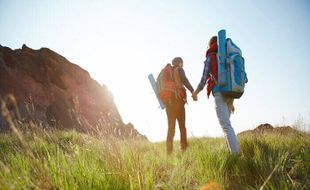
49	159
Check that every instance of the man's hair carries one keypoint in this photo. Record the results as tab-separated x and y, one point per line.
176	61
212	40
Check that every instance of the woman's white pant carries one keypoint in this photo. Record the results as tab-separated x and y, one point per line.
224	106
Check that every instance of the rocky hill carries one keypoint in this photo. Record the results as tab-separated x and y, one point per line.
50	89
266	128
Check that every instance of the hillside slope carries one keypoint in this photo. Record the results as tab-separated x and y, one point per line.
49	88
72	160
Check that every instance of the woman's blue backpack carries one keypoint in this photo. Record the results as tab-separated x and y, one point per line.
231	70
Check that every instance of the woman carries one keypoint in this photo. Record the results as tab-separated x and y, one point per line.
223	105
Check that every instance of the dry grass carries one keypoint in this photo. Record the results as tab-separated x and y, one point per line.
34	157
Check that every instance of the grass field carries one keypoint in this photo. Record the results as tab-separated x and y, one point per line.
33	158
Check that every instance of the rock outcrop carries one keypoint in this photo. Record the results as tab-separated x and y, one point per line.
266	128
48	88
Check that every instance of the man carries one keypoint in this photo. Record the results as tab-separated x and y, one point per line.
223	105
175	107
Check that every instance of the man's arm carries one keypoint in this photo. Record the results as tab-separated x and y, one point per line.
185	81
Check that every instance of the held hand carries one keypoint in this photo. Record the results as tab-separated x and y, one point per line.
194	96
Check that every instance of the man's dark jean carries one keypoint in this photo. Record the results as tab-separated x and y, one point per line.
176	111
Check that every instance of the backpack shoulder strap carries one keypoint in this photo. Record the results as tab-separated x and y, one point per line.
177	77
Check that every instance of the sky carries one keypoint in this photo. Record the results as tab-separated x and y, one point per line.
120	42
